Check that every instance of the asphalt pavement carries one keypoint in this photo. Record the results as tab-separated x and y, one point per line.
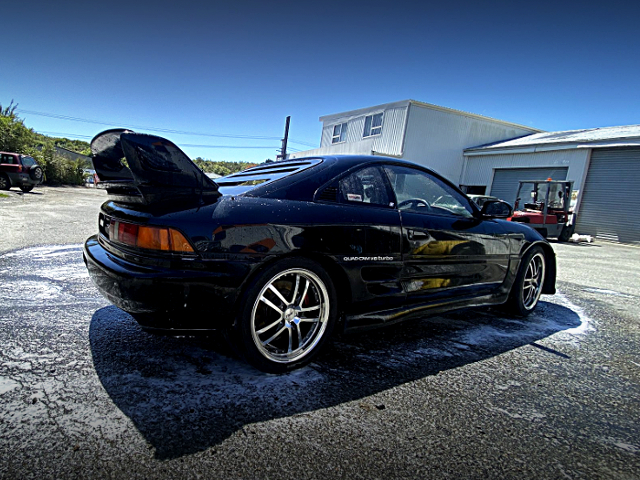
84	393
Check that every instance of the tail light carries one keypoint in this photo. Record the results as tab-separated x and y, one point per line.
151	238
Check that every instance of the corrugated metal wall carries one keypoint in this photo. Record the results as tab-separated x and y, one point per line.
480	169
363	147
609	207
327	135
437	138
389	142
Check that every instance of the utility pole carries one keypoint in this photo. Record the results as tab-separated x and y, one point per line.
283	152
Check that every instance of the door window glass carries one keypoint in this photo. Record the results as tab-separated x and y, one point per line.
7	159
420	192
364	186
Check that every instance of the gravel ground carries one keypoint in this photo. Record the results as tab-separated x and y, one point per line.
48	215
85	394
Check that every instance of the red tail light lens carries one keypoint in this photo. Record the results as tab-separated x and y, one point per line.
150	238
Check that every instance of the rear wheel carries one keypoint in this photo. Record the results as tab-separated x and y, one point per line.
26	188
5	184
526	290
287	315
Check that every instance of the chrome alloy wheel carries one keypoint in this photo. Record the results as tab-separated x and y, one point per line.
533	280
289	316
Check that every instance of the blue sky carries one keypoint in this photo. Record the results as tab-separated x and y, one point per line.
238	68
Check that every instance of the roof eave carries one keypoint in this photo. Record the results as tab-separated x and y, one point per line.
406	103
361	111
470	152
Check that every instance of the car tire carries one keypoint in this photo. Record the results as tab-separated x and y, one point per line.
36	173
526	290
566	233
5	184
286	315
26	188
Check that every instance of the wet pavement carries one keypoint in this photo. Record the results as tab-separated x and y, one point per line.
84	393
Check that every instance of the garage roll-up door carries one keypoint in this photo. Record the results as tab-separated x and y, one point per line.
609	207
505	181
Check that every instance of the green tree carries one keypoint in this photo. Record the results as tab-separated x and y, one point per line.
221	167
14	135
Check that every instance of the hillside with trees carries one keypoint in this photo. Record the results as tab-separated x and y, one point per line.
15	136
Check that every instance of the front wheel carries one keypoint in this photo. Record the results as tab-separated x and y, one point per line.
566	233
526	290
287	315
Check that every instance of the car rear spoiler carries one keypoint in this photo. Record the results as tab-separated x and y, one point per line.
154	171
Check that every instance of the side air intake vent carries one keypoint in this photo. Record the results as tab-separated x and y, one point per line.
329	194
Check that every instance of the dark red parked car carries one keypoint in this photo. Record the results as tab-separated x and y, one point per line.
17	170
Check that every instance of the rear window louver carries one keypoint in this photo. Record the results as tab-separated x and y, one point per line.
249	173
243	183
279	165
263	174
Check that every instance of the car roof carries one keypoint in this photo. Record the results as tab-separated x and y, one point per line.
301	183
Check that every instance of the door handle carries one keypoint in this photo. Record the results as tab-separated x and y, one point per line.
417	235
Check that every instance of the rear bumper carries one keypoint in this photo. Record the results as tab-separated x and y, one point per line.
21	178
163	298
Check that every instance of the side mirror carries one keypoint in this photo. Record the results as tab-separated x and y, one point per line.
496	209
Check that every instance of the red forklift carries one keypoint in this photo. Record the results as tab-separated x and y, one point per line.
544	205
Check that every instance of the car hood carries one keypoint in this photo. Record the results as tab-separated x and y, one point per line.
155	170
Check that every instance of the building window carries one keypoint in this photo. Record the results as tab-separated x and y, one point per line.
339	133
372	125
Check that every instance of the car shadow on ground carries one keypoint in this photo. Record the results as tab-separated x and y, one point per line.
26	193
576	244
186	395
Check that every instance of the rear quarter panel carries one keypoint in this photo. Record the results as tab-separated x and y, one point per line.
361	245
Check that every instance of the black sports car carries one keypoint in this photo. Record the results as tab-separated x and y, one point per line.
279	255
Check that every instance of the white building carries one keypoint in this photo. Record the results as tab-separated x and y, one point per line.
423	133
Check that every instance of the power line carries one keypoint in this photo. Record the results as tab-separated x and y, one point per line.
272	147
65	134
153	129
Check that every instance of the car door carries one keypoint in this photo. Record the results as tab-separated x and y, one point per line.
366	238
448	249
10	166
